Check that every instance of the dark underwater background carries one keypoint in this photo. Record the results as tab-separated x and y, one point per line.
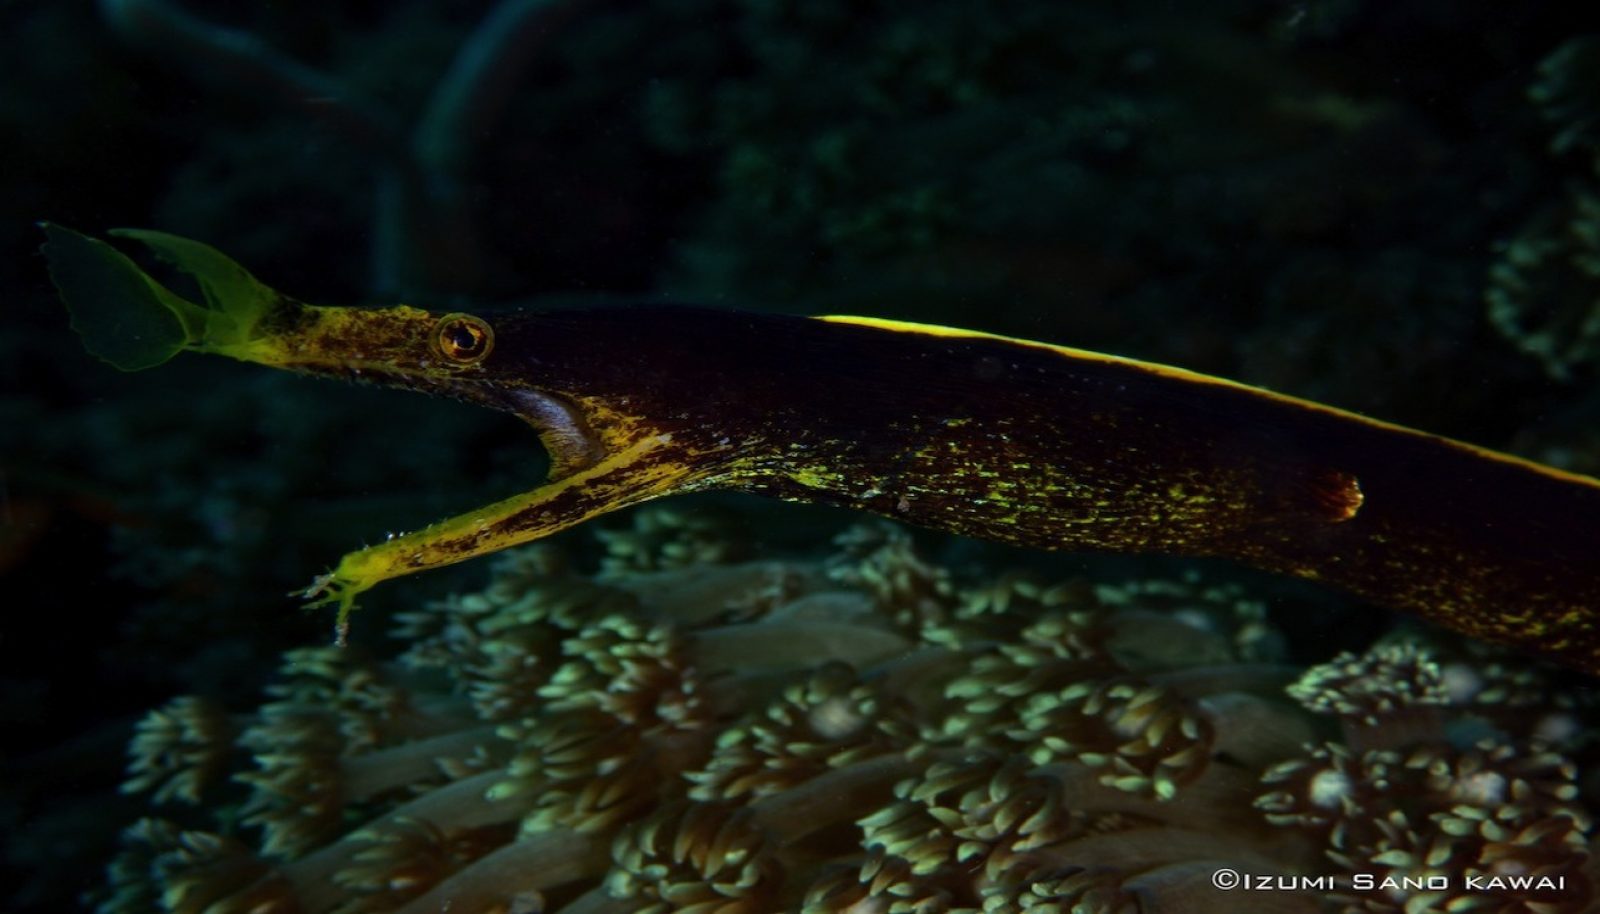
1392	207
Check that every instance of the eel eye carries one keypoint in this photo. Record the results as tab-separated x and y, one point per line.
463	338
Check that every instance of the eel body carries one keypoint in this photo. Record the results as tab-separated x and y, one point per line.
1003	439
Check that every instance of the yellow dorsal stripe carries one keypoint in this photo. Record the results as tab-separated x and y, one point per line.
1195	377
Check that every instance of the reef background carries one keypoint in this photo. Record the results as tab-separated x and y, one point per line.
1391	207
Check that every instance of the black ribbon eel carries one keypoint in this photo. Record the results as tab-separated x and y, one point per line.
986	436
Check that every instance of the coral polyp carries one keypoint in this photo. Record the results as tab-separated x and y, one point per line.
691	728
